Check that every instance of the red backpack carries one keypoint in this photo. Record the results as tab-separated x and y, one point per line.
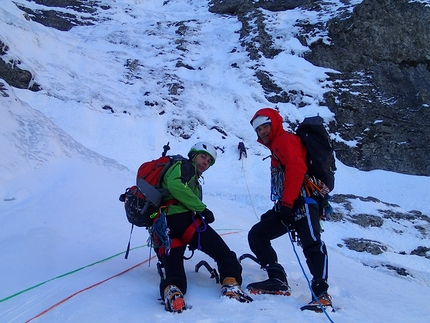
143	200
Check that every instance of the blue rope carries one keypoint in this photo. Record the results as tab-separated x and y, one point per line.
161	230
307	279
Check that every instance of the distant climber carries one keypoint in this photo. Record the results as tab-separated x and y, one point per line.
242	150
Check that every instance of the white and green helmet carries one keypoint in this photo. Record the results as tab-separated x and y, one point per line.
203	147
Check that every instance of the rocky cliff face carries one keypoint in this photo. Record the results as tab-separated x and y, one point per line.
381	49
382	98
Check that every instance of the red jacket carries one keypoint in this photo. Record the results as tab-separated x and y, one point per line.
287	150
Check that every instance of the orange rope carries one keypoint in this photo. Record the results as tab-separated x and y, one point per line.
99	283
87	288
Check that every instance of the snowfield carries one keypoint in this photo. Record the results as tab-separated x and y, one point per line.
66	157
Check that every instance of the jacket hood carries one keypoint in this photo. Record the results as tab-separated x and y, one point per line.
276	123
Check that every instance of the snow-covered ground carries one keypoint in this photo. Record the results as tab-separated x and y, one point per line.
64	161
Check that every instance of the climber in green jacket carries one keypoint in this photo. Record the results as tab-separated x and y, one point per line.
188	220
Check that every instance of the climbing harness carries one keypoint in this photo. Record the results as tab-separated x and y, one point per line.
315	187
159	235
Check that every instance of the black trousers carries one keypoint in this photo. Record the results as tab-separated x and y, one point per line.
209	242
309	232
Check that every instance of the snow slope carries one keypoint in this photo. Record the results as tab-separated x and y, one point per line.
64	161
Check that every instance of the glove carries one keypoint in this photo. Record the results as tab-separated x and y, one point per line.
287	217
207	215
267	215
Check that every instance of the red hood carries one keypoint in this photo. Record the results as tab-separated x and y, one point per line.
276	121
287	150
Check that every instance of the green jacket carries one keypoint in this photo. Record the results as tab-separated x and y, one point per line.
183	185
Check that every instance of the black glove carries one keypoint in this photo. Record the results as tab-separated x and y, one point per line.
287	217
267	215
208	216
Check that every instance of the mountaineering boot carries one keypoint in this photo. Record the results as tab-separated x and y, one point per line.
317	305
319	287
230	288
173	299
272	286
277	283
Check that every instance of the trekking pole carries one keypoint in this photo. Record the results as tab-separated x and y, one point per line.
307	279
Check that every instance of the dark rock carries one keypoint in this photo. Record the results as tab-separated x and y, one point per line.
365	245
398	270
12	74
82	15
234	7
367	220
108	108
381	99
422	252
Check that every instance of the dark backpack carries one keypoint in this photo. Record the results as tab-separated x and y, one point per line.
142	200
319	151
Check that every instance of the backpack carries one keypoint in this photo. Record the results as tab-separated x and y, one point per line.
142	200
319	151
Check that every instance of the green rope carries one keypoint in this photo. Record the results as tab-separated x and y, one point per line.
79	269
66	274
